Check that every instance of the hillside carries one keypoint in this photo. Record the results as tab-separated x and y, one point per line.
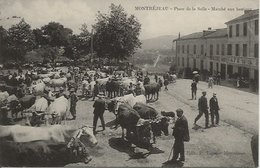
158	43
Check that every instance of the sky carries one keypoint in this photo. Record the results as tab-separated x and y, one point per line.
73	13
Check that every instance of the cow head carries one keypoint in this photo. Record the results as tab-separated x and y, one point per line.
113	106
85	136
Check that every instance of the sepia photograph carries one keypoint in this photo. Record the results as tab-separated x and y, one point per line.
129	83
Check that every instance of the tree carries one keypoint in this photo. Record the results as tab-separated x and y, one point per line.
55	34
116	35
53	38
78	45
40	39
3	43
20	40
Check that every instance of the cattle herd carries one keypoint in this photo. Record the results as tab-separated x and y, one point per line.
34	103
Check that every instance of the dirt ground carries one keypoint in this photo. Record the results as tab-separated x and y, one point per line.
227	145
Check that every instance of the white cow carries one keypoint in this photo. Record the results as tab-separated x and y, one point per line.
38	88
3	96
59	109
39	107
131	100
61	82
55	133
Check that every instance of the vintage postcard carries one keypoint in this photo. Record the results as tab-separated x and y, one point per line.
129	83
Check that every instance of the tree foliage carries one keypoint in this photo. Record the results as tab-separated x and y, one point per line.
55	34
20	40
78	45
116	34
3	43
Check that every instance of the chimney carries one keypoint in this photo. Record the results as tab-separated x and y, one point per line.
247	11
209	28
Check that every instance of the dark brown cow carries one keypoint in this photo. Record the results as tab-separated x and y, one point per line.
152	89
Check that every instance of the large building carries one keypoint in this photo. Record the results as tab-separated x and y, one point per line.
231	50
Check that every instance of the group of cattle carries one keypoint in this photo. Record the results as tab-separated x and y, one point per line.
139	119
48	144
113	87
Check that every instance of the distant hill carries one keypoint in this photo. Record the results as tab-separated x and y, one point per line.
158	43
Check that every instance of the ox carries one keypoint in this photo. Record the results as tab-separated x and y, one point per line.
3	96
38	88
130	120
58	83
58	109
35	114
152	89
44	146
159	124
126	99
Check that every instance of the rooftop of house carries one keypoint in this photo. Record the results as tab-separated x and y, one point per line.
205	34
247	14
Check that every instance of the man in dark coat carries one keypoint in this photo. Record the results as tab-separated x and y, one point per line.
73	103
99	109
214	108
193	89
203	109
95	90
166	82
160	83
181	134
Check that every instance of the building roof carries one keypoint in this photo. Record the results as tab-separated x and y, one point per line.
205	34
218	33
192	36
248	14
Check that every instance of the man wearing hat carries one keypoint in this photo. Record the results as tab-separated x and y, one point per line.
181	134
99	109
214	108
138	89
73	103
203	109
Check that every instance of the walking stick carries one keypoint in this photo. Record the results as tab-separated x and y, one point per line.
171	152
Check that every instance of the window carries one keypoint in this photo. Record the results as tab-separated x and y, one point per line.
178	49
237	30
223	49
217	50
182	61
178	61
256	52
201	65
194	63
201	49
230	31
245	29
256	27
188	62
237	49
188	49
229	49
244	50
211	50
182	48
194	49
